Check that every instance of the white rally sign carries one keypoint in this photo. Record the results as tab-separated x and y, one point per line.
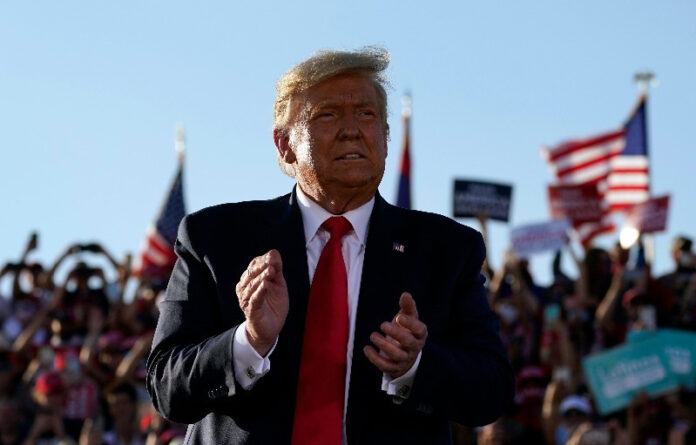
534	238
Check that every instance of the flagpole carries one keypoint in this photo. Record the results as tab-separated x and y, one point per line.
180	144
644	80
403	196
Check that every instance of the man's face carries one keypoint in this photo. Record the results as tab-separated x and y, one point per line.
337	142
121	407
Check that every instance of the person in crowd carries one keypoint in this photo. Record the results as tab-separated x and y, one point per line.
682	282
49	426
13	425
610	315
574	410
517	307
122	406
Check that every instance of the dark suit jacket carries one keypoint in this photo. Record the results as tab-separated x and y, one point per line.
464	375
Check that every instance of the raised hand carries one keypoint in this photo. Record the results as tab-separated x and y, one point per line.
263	297
400	342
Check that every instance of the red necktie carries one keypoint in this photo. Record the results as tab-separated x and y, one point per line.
321	385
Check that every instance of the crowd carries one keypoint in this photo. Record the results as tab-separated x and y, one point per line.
73	351
548	330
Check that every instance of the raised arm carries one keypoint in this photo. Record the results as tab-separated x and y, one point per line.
483	225
133	357
606	307
581	288
71	250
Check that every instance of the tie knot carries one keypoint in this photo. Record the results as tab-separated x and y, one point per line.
337	226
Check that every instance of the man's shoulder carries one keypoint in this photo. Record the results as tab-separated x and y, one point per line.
232	219
434	223
239	212
433	233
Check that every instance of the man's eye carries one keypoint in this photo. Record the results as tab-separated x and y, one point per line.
367	113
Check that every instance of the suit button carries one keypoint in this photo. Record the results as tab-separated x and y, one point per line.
217	393
425	408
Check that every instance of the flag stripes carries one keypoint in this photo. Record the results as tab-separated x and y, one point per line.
617	161
157	256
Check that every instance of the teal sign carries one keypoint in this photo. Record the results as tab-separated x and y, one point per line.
652	362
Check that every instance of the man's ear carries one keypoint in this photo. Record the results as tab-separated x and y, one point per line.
281	138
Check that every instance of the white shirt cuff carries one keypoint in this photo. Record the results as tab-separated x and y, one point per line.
400	387
249	366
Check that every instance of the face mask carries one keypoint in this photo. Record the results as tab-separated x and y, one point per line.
561	435
647	315
73	370
508	313
686	260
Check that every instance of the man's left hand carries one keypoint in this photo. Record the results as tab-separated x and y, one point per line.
400	341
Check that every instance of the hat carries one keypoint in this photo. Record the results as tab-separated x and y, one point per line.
65	358
531	385
531	372
49	383
577	403
635	295
629	296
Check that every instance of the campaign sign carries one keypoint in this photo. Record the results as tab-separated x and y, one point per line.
615	376
534	238
473	198
680	349
579	203
649	216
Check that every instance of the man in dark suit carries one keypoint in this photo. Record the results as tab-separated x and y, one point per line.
261	341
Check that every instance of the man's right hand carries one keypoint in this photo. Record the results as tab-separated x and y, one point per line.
263	297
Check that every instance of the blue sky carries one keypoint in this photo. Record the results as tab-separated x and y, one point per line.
90	95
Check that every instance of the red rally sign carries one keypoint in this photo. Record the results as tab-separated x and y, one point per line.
579	203
649	216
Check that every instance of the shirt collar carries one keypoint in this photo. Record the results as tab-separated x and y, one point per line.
314	215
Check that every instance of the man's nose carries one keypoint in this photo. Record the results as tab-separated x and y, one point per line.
350	126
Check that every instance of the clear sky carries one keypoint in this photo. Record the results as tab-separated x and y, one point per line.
90	93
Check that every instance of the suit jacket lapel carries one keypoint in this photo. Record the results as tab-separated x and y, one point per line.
383	278
287	235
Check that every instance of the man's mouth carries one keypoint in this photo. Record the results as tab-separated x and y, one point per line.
351	156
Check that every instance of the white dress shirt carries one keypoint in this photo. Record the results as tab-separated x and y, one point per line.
249	366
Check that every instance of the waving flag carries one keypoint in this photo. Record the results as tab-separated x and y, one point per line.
157	257
616	162
629	180
403	198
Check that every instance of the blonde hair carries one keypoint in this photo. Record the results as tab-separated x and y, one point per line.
369	61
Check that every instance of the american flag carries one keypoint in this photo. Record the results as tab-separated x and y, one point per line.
616	162
157	256
403	197
629	180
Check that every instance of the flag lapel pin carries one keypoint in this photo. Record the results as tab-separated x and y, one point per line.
398	247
